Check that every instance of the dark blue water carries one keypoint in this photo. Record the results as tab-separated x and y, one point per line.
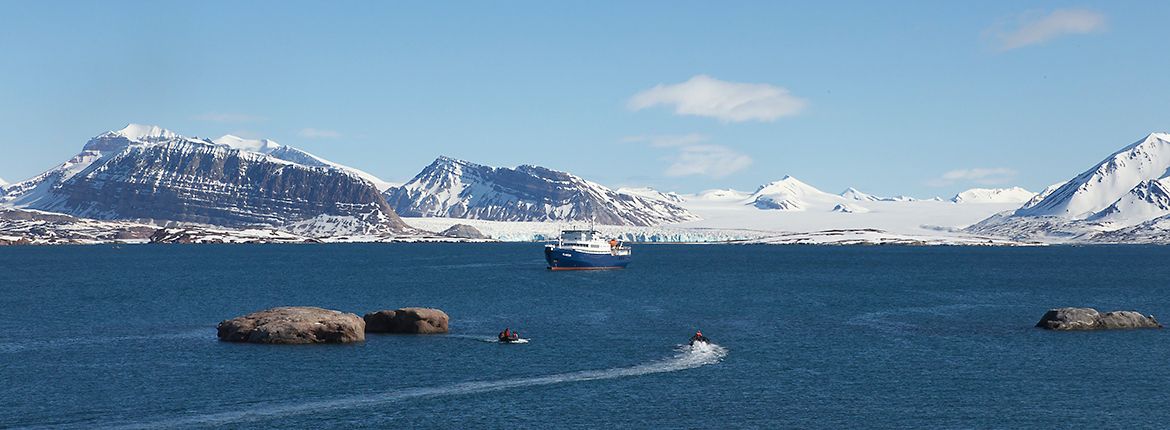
823	337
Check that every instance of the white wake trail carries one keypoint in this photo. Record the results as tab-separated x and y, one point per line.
688	358
20	346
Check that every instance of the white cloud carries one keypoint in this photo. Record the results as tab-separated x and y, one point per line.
227	117
694	157
1036	28
705	96
981	176
316	133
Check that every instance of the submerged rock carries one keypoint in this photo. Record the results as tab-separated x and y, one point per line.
294	325
407	320
1090	319
463	231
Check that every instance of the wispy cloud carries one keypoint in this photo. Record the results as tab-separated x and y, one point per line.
317	133
981	176
705	96
1035	28
693	156
227	117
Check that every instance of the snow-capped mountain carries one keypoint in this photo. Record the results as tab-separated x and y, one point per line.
1117	198
857	195
849	208
790	194
1105	183
854	194
726	194
460	189
150	173
651	193
994	195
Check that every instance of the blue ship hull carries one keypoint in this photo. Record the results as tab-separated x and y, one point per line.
568	259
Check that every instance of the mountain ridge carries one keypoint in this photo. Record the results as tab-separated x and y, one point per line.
153	174
450	187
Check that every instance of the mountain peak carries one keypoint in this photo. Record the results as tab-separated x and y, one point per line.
788	185
444	160
855	194
994	195
145	133
1103	184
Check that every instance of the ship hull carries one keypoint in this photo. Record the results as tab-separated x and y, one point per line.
569	259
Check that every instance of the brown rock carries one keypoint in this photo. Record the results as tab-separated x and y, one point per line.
294	325
407	320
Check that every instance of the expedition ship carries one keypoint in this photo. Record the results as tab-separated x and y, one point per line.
586	250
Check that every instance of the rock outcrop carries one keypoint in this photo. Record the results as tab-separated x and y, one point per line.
463	231
34	227
407	320
1090	319
294	325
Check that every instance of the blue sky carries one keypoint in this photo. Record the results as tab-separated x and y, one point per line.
918	98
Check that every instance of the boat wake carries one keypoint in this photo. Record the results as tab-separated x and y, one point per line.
73	342
490	340
688	357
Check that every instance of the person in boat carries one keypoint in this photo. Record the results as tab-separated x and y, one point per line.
698	337
613	243
509	336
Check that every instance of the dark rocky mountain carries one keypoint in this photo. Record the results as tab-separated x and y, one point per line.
460	189
147	173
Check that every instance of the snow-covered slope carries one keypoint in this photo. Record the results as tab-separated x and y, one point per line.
790	194
460	189
994	195
651	193
1107	181
1147	200
854	194
295	155
726	194
849	208
150	173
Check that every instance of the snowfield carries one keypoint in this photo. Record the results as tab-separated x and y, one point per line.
739	220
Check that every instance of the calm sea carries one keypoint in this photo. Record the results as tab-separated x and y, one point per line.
808	337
